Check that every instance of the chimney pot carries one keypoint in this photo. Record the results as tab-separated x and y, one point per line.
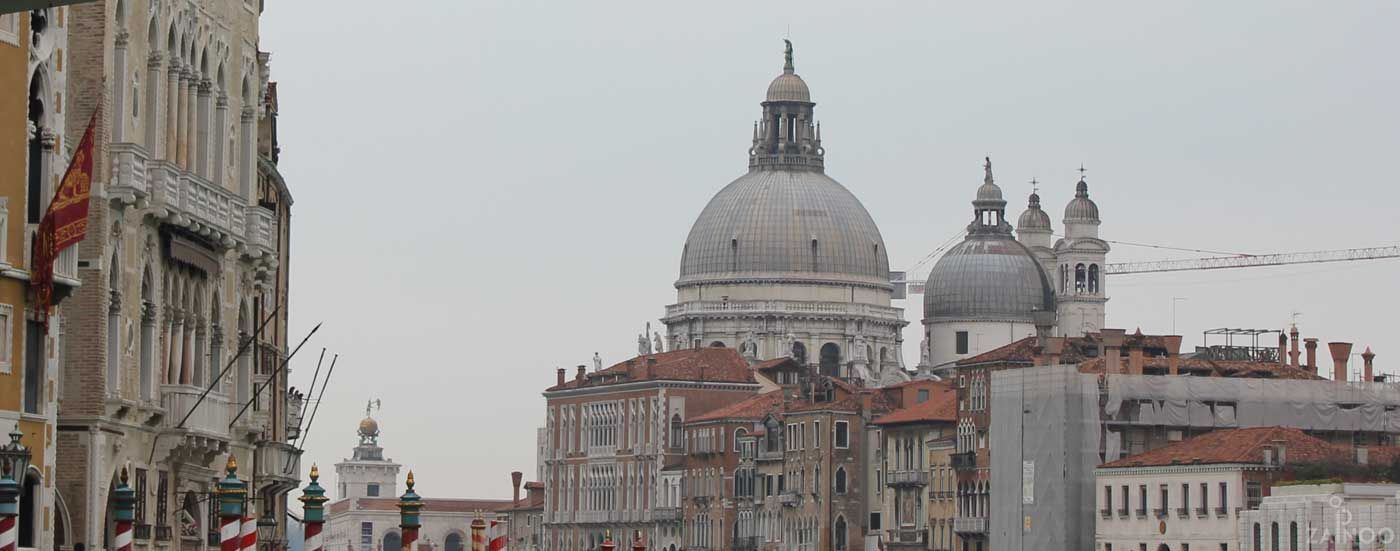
1293	346
1112	359
559	375
515	483
581	371
1311	344
1282	349
1341	352
1366	358
1173	344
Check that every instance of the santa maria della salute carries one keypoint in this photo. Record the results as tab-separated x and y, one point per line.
786	262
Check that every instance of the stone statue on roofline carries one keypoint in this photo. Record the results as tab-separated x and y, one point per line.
658	344
597	362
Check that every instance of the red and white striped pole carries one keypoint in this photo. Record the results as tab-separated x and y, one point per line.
248	534
9	508
313	500
124	512
231	492
409	505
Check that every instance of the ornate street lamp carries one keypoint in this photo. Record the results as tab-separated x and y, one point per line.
16	456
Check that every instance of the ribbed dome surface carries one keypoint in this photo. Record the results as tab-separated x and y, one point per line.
763	224
1033	218
987	277
989	192
1081	208
789	87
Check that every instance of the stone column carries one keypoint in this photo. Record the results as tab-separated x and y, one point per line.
220	139
201	146
147	356
246	140
177	342
153	145
191	120
187	352
171	143
119	107
182	117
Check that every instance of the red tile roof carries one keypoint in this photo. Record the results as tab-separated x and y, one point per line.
692	364
1078	350
752	408
1235	446
941	406
429	505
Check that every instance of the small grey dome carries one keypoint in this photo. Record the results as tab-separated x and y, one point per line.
987	277
767	223
1081	208
789	87
989	192
1033	218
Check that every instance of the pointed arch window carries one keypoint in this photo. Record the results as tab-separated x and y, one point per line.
839	485
1080	278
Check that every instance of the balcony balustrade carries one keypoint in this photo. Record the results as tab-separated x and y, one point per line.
784	306
906	478
210	417
970	525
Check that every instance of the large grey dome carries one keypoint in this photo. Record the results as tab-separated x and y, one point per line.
785	224
987	277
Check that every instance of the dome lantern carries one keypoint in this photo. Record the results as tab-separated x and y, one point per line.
788	135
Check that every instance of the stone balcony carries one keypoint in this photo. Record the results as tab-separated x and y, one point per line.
279	465
182	198
970	525
789	307
666	514
205	432
906	478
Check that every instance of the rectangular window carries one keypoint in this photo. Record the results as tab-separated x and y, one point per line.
1253	494
1142	500
1205	497
367	535
802	436
1162	500
1185	497
792	437
842	438
1124	499
1224	498
7	334
162	505
816	434
875	521
962	342
9	28
140	496
923	395
33	366
1107	498
372	490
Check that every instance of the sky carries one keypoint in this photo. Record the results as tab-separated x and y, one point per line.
485	191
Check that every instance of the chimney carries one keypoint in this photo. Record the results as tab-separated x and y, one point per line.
1135	354
1341	352
559	373
1112	341
581	371
1282	349
1311	344
1173	343
1366	358
1054	346
1293	342
515	483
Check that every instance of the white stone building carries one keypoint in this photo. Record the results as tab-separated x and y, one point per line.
1319	517
786	261
365	513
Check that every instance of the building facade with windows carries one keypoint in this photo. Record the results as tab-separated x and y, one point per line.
34	152
1197	493
365	516
913	458
1319	517
611	432
184	273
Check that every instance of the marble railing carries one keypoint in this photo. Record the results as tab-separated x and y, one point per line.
784	306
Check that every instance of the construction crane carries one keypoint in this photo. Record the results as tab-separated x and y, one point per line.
915	286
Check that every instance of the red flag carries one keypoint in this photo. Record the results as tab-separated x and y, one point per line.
64	223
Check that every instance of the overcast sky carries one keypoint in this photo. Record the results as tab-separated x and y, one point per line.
488	190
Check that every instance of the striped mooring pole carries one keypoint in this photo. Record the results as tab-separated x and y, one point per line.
231	493
409	506
124	512
478	528
313	500
248	534
9	509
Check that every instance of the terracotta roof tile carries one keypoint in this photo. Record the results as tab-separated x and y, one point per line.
1234	446
941	405
692	364
430	505
752	408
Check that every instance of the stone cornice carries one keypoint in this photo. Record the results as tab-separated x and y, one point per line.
647	385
